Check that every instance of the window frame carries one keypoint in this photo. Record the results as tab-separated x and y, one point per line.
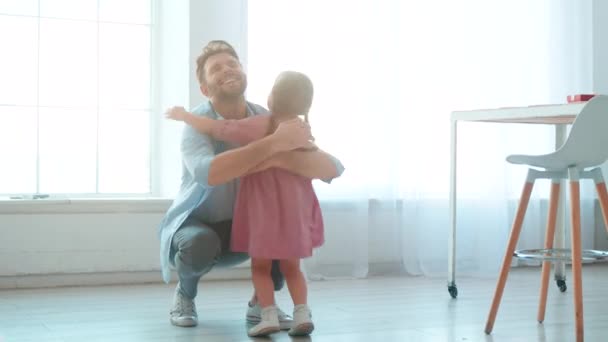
153	121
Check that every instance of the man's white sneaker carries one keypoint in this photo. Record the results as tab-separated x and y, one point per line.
269	323
302	321
183	313
254	316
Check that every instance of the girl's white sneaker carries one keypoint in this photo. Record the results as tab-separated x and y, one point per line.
269	323
302	321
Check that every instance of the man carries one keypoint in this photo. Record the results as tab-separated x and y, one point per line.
195	232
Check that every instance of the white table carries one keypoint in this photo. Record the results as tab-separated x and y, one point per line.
559	115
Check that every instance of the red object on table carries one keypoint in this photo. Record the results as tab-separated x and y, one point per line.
580	97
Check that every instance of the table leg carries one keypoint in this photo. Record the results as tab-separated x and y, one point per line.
452	231
561	132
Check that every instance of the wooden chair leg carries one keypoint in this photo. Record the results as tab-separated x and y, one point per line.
549	236
575	215
506	264
602	194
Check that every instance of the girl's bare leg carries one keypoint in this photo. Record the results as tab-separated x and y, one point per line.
264	289
295	280
302	318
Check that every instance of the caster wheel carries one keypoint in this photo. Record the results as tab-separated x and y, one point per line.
561	284
453	291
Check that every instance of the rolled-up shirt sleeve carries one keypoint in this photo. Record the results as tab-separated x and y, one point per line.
339	169
197	154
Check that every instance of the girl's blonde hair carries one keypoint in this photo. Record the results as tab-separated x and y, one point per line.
292	93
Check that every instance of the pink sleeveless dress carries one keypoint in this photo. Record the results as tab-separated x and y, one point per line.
277	213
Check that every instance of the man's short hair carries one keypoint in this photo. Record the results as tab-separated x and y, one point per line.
212	48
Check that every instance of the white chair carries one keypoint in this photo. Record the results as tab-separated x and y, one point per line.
585	149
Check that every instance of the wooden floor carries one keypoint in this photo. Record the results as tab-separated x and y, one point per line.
375	309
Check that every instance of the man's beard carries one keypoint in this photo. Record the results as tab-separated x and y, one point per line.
230	95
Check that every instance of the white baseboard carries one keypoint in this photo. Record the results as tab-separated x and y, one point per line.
110	278
240	272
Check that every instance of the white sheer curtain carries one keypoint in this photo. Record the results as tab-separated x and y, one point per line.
387	74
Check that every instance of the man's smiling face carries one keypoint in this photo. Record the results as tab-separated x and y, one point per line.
224	77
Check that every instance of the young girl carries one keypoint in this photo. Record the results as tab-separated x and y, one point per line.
277	214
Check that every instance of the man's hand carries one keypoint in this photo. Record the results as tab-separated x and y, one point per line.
291	135
176	113
309	147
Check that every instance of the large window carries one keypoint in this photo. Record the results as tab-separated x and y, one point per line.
75	96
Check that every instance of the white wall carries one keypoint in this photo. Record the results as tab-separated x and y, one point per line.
83	242
187	25
600	46
54	243
171	45
211	20
600	51
80	237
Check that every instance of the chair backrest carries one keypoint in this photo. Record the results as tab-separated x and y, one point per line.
587	143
